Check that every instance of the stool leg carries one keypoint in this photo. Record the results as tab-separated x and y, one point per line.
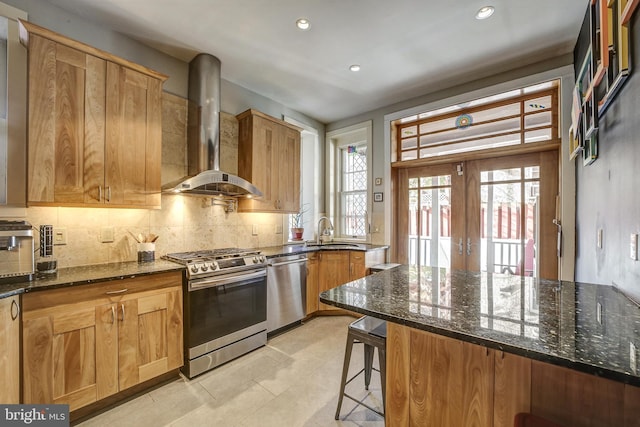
345	372
368	364
382	358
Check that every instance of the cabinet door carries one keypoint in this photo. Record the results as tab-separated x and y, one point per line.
288	170
10	350
450	382
150	336
59	355
133	138
271	161
334	271
357	267
257	140
512	388
312	283
66	121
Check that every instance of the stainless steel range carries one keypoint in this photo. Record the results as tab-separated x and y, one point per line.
225	305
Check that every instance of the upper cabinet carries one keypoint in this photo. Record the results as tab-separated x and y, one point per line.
269	158
95	125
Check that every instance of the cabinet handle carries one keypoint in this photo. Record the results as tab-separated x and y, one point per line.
122	307
460	246
109	193
17	310
121	291
99	193
469	246
113	315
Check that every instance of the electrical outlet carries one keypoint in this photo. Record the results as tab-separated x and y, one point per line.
106	234
632	358
59	236
633	246
599	238
599	313
254	230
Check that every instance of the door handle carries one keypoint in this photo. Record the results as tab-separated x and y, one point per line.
113	315
559	243
122	307
17	310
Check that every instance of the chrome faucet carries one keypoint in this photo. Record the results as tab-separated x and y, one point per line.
322	230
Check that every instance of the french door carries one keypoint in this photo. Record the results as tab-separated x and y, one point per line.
495	215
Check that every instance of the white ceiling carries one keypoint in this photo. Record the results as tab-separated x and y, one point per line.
406	48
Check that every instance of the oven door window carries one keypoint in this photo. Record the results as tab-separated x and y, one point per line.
222	310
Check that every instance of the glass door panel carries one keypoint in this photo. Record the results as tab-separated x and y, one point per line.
508	217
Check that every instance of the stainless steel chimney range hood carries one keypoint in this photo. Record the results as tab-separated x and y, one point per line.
203	138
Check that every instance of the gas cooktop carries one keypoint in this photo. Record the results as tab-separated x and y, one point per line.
210	254
218	261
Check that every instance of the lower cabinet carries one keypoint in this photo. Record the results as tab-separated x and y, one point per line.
333	270
441	381
328	269
10	350
88	342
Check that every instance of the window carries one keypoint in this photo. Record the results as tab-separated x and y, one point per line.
349	174
353	191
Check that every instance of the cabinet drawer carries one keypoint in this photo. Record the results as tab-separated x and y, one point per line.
103	292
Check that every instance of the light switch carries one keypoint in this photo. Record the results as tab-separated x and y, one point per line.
254	230
59	236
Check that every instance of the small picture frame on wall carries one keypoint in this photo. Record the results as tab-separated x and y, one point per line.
377	197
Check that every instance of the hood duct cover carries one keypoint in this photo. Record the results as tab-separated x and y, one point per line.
203	138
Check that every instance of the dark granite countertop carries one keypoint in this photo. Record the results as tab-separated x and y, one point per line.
89	274
550	321
297	249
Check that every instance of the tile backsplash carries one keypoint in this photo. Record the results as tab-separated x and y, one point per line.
183	223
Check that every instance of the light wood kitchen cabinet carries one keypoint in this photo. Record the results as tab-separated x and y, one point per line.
437	380
94	125
85	343
270	160
10	350
334	270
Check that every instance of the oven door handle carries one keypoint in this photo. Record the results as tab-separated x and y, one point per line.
228	280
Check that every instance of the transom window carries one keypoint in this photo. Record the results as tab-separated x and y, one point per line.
523	116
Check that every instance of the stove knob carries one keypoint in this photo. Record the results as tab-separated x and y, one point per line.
194	269
255	259
263	259
215	266
204	267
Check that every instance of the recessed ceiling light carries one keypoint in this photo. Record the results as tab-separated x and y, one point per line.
354	68
303	24
485	12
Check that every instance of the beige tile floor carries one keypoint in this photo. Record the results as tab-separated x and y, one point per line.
293	381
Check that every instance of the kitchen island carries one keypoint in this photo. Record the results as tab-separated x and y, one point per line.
468	348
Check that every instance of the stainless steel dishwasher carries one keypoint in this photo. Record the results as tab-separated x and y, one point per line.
286	291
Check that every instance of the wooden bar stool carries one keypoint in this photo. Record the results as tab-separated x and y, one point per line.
372	333
529	420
